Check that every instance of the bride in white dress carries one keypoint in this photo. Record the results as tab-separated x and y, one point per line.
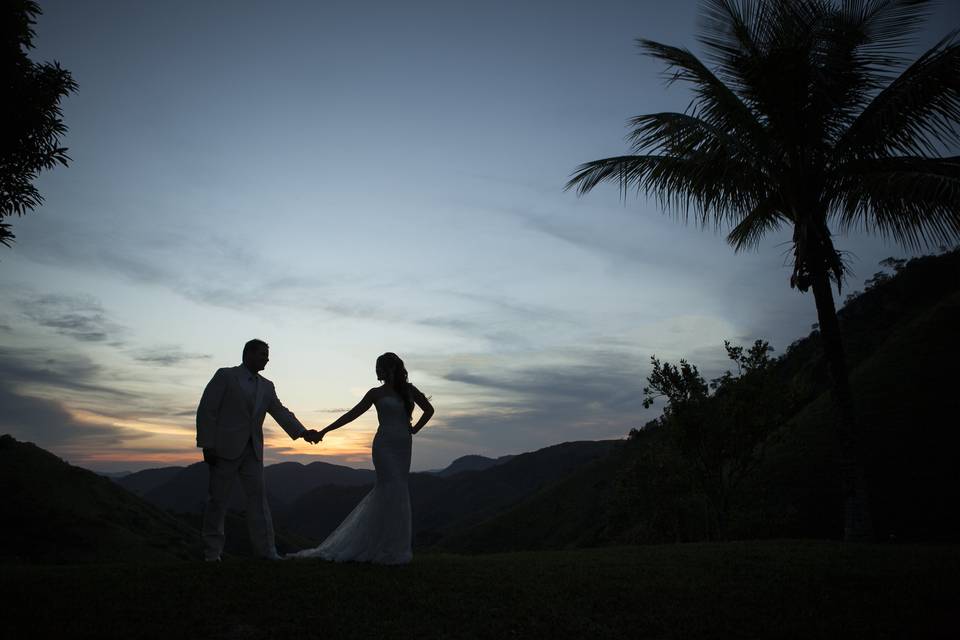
379	529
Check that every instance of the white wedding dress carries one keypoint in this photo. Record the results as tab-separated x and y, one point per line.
378	529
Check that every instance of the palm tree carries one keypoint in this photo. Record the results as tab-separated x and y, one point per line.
810	115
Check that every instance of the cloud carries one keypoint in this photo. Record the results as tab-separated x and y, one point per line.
48	424
67	404
503	322
78	382
580	396
488	404
41	367
212	257
639	235
167	356
79	317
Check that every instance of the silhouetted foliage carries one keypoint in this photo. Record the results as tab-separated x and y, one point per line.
32	124
811	114
655	499
720	435
894	264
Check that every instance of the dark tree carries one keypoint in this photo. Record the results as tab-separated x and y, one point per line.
33	125
811	117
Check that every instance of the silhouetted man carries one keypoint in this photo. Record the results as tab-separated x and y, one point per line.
230	432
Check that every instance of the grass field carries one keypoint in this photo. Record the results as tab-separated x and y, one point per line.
783	589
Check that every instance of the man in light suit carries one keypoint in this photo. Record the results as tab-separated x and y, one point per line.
230	432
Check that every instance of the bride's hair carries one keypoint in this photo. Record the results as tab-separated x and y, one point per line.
395	374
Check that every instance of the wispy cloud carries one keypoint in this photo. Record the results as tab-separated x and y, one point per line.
222	272
553	400
49	424
167	356
77	383
62	370
80	317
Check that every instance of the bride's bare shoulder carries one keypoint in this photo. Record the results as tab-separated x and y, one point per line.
416	392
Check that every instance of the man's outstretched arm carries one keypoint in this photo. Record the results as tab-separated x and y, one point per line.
285	418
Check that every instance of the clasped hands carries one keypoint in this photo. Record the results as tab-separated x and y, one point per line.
313	436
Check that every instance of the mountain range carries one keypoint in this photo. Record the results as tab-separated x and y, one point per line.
66	514
312	499
900	338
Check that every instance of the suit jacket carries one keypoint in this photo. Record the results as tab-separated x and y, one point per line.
226	418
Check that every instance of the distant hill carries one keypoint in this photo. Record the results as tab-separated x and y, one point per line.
113	474
442	503
309	501
54	512
291	480
903	354
471	463
142	482
572	512
184	490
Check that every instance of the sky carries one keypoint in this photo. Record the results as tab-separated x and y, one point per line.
342	179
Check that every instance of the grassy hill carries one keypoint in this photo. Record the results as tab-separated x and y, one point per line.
54	512
782	589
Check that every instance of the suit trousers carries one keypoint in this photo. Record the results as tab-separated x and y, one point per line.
223	475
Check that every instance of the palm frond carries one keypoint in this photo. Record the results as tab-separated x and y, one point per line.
6	235
739	35
761	50
887	28
712	186
767	216
856	46
733	32
912	200
917	113
678	134
714	102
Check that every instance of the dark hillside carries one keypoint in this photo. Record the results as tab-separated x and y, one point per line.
56	513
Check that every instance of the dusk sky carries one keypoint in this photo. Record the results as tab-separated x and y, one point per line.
342	179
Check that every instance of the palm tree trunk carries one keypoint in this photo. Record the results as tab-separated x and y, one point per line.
857	523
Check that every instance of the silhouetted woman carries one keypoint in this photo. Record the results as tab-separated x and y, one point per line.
379	528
